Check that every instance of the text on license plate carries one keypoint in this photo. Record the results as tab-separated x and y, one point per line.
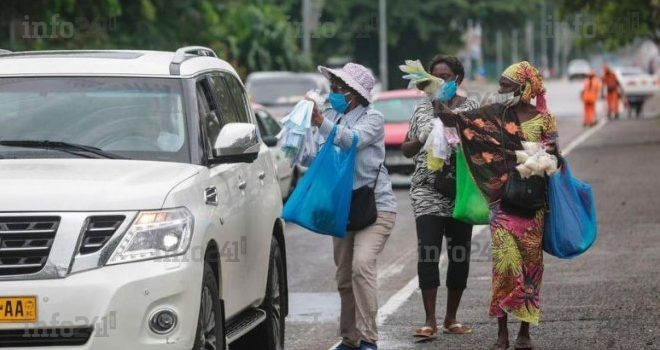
18	309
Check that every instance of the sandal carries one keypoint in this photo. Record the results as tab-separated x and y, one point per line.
523	344
426	332
457	328
500	345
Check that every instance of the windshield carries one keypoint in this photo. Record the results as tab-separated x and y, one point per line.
280	90
397	110
631	71
137	118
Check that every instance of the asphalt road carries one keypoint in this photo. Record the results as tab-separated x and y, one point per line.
608	298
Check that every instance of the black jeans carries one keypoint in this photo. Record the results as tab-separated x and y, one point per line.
430	230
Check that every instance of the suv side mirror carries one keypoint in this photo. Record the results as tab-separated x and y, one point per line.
270	141
237	143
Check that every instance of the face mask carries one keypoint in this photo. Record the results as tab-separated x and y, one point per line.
448	91
508	99
338	102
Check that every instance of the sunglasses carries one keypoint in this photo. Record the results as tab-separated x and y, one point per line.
338	88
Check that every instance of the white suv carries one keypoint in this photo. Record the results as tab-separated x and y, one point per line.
139	208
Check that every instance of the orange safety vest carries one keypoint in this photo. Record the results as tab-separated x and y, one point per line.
591	88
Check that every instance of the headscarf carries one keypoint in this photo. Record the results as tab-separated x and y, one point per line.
531	81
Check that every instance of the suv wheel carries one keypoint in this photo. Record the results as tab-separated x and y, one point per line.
209	334
270	334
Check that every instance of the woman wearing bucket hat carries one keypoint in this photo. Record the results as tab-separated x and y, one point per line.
355	255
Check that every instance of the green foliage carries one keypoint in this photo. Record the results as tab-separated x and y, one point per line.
618	22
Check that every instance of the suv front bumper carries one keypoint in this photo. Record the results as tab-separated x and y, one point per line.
117	301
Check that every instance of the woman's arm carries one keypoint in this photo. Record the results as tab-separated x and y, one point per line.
445	114
411	147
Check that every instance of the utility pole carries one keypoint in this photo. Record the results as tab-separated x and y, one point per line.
514	49
529	41
544	38
382	35
307	38
498	43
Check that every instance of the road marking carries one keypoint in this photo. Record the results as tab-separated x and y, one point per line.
403	294
583	137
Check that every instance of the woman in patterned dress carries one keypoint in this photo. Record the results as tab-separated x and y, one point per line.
433	211
488	135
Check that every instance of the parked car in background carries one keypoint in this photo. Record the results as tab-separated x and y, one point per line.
578	69
397	106
136	192
280	91
269	128
637	87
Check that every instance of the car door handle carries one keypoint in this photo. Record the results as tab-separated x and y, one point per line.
242	184
211	196
262	175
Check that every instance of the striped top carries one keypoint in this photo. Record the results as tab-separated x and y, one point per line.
425	199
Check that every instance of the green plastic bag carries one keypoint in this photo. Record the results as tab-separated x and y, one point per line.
471	206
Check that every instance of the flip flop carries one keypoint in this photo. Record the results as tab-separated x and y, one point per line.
500	345
457	328
523	345
426	332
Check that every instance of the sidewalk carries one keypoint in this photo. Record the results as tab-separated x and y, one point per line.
608	298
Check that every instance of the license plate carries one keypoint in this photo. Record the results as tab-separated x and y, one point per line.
18	309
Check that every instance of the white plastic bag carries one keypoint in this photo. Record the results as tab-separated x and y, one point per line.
534	160
437	141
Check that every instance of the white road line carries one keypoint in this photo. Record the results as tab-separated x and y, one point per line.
585	135
403	294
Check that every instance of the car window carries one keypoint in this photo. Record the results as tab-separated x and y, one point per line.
280	90
397	110
223	100
268	125
208	117
240	100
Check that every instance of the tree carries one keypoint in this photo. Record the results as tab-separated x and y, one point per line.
618	22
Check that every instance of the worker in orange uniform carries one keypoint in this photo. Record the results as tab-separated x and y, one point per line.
612	88
590	92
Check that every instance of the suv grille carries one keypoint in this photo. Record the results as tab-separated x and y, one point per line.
98	231
25	243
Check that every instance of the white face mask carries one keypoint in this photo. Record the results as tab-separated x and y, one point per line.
508	99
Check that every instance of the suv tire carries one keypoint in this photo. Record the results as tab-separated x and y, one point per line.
209	334
270	334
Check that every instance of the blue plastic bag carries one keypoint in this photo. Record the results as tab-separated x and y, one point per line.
570	224
322	198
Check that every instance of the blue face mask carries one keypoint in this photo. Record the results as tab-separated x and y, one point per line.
338	102
448	91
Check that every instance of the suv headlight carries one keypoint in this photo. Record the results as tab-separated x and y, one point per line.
155	234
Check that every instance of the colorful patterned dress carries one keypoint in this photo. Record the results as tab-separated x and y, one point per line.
516	241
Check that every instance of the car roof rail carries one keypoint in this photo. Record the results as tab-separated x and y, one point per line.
5	52
184	53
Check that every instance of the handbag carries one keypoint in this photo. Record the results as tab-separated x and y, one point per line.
444	183
522	197
363	210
